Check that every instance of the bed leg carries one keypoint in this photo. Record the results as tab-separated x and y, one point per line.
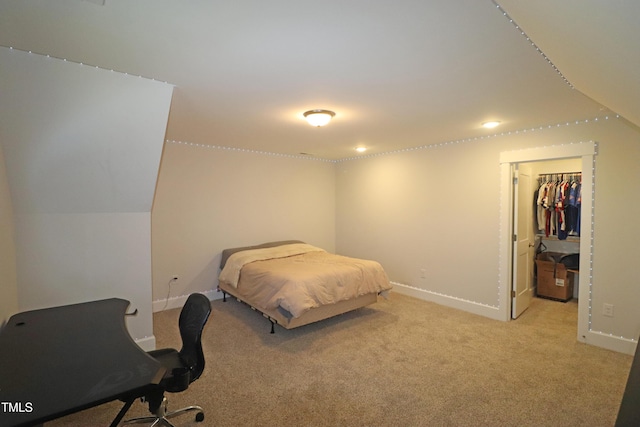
224	296
273	324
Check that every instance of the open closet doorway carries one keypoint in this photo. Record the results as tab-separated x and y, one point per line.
583	153
546	209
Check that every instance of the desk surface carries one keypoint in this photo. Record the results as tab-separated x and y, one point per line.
61	360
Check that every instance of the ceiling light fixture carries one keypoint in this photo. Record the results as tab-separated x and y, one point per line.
490	125
318	117
361	149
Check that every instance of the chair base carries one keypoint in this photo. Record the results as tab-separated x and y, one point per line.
161	416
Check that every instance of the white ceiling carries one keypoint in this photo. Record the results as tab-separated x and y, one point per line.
398	74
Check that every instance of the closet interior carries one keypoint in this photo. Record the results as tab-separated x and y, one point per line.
556	222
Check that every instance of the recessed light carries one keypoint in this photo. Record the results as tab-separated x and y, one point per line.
361	149
490	125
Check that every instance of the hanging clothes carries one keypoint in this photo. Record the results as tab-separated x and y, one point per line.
573	209
557	205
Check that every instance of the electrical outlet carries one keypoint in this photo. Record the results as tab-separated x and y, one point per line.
607	310
423	273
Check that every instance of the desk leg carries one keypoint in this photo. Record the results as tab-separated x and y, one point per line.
122	412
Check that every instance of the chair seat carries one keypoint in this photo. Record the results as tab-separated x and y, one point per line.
178	376
169	358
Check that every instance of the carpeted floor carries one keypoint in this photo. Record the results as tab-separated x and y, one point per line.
400	362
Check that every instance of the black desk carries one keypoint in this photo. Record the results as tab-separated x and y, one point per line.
61	360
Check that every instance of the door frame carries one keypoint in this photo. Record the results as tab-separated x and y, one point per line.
586	151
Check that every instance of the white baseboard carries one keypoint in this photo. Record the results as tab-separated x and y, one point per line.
178	302
610	342
492	312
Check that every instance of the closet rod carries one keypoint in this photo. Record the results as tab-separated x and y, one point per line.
561	173
558	176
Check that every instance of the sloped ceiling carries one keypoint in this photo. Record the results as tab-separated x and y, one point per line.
398	74
596	45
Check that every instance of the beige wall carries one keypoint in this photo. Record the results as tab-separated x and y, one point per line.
616	277
209	199
437	209
431	209
8	283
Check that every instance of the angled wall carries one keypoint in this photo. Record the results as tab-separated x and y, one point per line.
82	148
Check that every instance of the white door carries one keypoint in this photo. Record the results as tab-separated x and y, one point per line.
522	241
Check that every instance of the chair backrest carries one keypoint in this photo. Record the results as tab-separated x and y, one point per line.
193	317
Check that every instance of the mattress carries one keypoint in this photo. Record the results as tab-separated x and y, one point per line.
294	278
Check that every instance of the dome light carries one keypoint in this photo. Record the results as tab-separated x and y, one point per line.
490	125
318	117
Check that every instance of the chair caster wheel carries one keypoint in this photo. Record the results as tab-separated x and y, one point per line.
200	416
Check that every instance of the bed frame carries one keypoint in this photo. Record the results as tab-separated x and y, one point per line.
313	315
282	318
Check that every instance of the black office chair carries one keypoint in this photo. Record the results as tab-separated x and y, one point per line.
183	367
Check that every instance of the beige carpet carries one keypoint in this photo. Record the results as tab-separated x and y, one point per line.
400	362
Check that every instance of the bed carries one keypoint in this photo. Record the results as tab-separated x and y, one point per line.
293	283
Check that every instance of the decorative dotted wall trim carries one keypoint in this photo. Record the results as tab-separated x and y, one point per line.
247	150
546	58
486	137
82	64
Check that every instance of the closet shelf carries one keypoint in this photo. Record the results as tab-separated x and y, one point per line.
568	239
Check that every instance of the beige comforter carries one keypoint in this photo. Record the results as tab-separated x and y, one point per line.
299	277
